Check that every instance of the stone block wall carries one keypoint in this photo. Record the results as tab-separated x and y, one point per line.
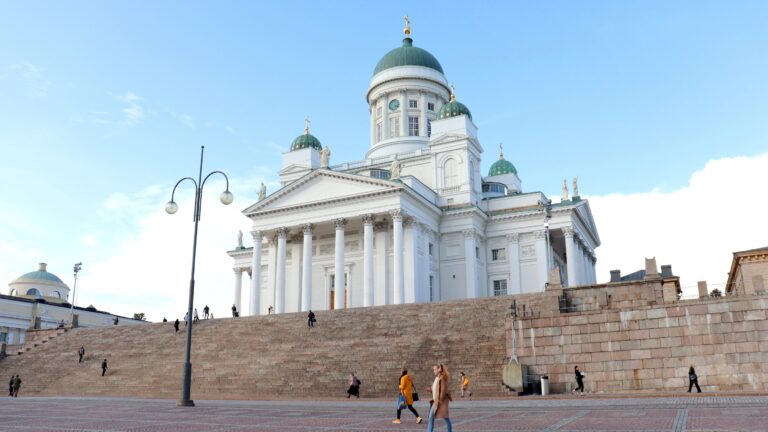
650	347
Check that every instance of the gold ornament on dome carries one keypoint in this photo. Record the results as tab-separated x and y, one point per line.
407	29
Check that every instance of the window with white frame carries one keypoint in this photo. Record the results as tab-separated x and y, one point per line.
431	249
500	287
394	127
413	126
429	127
498	254
380	174
450	173
477	252
413	104
431	288
430	106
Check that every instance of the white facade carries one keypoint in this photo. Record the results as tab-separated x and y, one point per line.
413	222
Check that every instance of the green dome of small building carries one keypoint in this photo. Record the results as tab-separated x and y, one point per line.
501	166
453	108
407	55
306	140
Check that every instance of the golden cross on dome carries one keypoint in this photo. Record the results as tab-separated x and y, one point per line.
306	124
407	29
453	92
501	151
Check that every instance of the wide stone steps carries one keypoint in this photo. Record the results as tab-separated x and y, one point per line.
278	356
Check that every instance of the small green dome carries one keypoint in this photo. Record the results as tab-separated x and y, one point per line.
453	108
41	275
306	140
408	55
501	167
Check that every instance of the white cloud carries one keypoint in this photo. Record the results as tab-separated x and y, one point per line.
695	229
133	112
37	84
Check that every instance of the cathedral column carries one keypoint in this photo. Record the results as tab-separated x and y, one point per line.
296	270
373	122
541	258
580	271
470	262
423	121
410	267
424	266
255	274
384	117
368	260
306	270
404	113
570	256
380	291
339	279
397	245
238	287
282	234
513	260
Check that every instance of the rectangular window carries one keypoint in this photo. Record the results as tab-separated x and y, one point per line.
378	112
412	104
380	174
431	287
394	127
413	126
500	287
429	127
378	131
477	252
431	249
498	254
430	106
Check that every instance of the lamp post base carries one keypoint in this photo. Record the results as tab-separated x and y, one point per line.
185	403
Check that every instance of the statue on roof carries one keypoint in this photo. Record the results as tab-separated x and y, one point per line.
394	169
576	186
262	191
565	191
325	156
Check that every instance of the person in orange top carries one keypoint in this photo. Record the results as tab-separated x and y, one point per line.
464	383
406	397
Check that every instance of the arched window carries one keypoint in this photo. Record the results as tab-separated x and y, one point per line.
14	292
33	292
56	294
450	173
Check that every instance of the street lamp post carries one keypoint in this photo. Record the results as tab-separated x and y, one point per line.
76	269
171	207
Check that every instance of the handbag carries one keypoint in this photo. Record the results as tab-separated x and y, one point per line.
415	395
400	402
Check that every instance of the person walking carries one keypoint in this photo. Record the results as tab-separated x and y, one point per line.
464	384
165	319
10	386
81	352
176	325
16	386
693	379
354	386
206	310
441	396
311	319
579	380
104	367
196	317
186	319
405	398
270	310
234	311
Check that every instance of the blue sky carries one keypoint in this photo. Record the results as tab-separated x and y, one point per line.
103	105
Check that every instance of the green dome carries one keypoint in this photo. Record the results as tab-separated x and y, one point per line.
306	140
502	166
452	109
408	55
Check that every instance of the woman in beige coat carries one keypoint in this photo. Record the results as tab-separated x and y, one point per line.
440	398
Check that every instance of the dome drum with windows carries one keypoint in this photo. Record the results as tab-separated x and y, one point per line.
40	284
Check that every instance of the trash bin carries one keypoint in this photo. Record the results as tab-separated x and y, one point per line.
544	385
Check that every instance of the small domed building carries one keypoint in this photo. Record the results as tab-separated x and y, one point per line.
40	284
414	220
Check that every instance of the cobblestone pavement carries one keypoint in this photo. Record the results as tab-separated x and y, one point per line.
707	413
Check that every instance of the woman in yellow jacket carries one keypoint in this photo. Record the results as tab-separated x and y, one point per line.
406	397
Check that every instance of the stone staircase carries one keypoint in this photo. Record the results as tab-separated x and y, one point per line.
277	356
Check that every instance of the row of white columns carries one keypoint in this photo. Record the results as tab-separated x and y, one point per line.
371	296
579	260
403	95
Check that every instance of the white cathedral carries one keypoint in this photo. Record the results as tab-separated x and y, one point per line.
414	221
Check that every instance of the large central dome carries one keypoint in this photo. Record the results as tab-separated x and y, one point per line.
408	55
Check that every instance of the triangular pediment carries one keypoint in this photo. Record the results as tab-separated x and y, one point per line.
323	186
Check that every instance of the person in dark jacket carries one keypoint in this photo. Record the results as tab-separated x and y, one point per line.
10	386
176	325
104	367
311	319
579	380
694	379
81	352
16	386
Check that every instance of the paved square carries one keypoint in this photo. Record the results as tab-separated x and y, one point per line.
699	413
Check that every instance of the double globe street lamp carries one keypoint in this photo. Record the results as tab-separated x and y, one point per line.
171	207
